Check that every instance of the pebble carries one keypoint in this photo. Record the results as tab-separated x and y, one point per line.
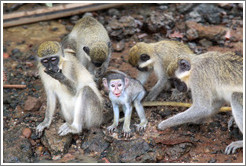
26	132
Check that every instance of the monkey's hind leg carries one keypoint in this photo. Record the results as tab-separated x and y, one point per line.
87	111
237	112
140	110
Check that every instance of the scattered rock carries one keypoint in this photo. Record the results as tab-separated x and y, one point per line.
16	149
128	152
119	46
32	104
55	143
113	12
205	43
157	21
175	152
206	12
213	33
27	132
95	142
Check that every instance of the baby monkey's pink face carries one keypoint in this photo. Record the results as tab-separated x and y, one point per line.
116	86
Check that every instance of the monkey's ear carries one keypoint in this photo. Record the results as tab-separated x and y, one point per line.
87	50
126	82
184	65
105	83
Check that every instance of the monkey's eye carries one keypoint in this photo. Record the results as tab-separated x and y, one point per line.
113	85
53	59
119	85
45	61
144	57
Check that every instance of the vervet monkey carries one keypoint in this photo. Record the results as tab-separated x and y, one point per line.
92	45
65	79
124	91
213	78
160	57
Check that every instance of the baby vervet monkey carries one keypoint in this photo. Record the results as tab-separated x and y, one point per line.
214	78
124	91
65	79
92	45
160	57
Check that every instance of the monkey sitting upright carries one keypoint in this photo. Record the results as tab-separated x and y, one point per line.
124	91
160	57
214	78
92	44
65	79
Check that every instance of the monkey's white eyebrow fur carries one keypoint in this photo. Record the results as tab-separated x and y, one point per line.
147	63
182	74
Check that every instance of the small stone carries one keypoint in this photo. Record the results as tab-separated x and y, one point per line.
120	46
32	104
39	150
27	132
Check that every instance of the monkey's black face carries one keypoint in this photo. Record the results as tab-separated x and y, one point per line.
144	57
97	64
184	65
51	63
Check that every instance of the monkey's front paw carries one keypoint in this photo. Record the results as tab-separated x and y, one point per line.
56	75
127	133
111	129
233	147
65	129
40	128
141	127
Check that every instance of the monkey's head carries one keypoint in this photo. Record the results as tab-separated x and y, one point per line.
184	70
116	83
98	53
140	56
49	55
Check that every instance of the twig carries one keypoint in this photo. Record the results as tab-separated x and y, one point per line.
176	104
14	86
55	12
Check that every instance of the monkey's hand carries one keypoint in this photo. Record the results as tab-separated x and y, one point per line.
41	127
112	128
66	129
56	75
141	127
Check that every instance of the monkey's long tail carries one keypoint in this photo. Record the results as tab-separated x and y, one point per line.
176	104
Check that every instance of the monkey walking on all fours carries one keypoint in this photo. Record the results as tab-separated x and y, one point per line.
92	45
65	79
160	58
124	91
213	78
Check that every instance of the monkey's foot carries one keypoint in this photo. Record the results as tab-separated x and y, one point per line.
65	129
150	97
127	133
141	127
40	128
112	128
233	147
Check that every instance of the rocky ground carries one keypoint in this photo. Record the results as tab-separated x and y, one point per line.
204	27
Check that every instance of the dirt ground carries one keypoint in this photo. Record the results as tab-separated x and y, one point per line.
206	143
